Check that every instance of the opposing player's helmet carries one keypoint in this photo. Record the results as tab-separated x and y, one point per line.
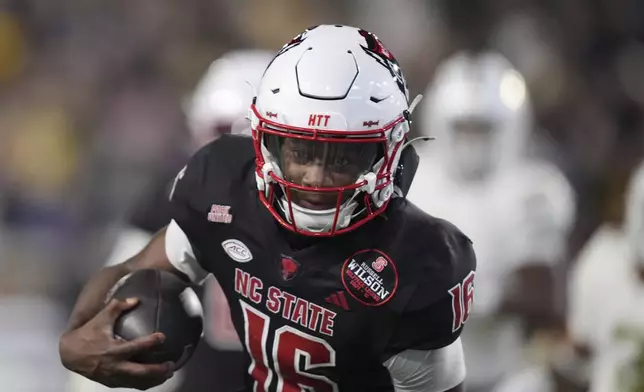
634	214
479	112
328	123
220	101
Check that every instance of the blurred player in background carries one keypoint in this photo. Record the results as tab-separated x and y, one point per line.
604	350
518	211
606	321
219	105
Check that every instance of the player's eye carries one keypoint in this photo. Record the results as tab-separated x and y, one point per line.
340	162
300	156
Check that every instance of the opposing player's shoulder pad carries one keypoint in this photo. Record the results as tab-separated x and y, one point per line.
545	195
637	178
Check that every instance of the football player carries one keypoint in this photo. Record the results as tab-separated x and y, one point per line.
606	322
218	105
604	349
335	281
517	211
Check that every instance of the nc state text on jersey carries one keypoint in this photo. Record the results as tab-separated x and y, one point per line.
295	309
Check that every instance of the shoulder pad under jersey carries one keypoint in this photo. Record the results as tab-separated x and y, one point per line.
217	172
443	261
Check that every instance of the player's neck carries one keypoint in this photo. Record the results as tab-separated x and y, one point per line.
298	241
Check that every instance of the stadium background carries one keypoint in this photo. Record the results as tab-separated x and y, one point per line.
90	110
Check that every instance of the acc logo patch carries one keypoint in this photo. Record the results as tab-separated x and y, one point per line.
237	251
370	277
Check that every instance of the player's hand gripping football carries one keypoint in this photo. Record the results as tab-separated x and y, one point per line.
94	352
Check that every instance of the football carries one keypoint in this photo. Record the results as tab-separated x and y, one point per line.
168	305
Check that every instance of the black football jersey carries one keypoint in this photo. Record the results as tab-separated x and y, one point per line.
322	314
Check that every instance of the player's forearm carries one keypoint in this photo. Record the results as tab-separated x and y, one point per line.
92	298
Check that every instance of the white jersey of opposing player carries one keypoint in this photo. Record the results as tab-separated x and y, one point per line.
476	175
607	301
531	379
521	215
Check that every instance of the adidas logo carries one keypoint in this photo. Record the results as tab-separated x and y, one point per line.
338	299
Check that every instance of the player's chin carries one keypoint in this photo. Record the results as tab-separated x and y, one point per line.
314	205
319	201
316	201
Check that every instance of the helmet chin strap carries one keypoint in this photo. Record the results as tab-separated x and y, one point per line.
414	140
252	86
415	103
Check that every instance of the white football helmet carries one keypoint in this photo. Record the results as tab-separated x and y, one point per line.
332	105
220	101
634	214
479	112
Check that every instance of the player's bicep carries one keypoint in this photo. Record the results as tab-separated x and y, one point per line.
180	254
438	370
168	250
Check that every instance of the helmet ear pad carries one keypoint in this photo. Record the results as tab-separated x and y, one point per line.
406	170
397	145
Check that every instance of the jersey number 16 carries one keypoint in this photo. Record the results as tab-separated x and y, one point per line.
290	345
462	298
